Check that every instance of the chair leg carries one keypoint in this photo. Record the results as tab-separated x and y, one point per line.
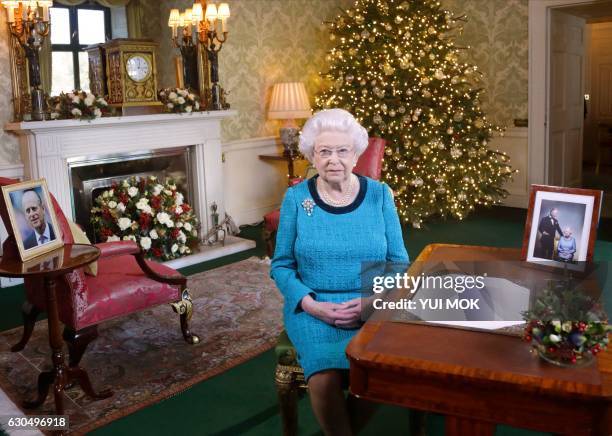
184	308
29	313
77	341
269	238
287	390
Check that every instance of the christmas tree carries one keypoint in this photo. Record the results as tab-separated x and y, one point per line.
396	68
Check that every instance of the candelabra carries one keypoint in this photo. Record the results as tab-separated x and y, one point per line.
205	17
187	73
29	24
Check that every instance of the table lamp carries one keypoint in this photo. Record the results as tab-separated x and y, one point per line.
289	102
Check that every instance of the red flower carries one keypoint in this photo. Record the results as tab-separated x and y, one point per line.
114	185
107	214
106	232
186	207
175	233
157	252
123	197
155	202
144	220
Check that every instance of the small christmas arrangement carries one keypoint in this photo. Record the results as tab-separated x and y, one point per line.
179	101
566	326
78	104
151	213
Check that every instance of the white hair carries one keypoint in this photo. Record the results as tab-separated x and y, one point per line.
337	120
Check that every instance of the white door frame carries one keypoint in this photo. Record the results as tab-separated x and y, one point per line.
539	35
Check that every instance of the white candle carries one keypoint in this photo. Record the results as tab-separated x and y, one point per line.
11	15
224	25
174	31
45	9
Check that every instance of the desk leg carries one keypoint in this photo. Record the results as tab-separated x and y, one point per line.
57	377
61	375
459	426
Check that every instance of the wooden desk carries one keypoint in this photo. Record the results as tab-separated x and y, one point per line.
478	379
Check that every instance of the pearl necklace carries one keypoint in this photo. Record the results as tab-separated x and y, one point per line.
346	198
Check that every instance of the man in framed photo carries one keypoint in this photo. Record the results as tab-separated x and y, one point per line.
548	228
34	213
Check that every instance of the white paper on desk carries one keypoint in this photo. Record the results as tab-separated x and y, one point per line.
500	304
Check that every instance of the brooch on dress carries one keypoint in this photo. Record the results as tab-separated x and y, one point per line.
308	204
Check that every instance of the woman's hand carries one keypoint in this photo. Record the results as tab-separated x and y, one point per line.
329	313
351	314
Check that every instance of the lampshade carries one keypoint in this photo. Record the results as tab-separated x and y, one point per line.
174	18
47	3
223	11
182	19
289	101
211	12
188	17
196	12
10	3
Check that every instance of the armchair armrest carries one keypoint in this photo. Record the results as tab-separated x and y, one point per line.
118	248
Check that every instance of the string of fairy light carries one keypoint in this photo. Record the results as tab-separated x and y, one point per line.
395	66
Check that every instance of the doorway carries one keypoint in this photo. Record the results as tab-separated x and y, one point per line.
570	94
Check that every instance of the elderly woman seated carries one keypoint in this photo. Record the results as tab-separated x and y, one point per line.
329	225
566	247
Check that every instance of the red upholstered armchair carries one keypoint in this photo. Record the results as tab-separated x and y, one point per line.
125	283
369	165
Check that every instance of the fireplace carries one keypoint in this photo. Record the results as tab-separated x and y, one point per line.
91	175
57	149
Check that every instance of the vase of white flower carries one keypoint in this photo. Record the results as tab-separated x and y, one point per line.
78	104
178	100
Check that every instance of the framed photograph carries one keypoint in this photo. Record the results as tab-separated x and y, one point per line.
32	217
561	226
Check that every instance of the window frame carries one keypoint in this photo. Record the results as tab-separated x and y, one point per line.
74	47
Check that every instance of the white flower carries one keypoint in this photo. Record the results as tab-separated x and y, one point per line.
187	227
102	102
124	223
172	95
554	338
142	203
97	113
194	232
188	109
132	191
113	238
170	223
183	92
129	238
125	183
192	97
111	192
178	210
197	106
163	217
112	204
70	95
121	207
174	248
145	242
167	192
105	194
76	112
182	238
182	249
54	115
153	234
157	189
147	209
178	200
180	100
170	105
89	101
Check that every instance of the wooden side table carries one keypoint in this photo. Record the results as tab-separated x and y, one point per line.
286	158
50	267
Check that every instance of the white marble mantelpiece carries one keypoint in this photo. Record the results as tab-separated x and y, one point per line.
47	147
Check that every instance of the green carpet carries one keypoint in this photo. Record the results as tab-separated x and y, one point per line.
242	401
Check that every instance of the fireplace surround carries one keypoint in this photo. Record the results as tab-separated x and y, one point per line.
49	148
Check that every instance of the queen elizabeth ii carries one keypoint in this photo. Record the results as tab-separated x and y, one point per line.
329	226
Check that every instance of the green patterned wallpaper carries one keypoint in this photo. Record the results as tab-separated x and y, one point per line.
284	40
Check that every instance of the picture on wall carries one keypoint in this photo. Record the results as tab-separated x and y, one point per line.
33	221
561	225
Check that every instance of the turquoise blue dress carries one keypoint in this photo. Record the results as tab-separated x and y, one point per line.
319	251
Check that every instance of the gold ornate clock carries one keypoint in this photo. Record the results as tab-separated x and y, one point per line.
131	74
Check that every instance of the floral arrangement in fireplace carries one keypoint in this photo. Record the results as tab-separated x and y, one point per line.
178	100
78	104
151	213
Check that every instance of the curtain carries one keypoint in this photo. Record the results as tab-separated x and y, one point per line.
133	10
